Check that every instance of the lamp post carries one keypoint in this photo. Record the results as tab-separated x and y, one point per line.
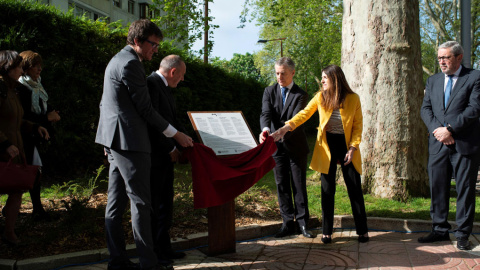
281	43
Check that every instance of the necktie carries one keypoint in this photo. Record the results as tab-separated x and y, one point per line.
448	89
284	94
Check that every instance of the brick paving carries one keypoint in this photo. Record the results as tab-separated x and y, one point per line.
386	250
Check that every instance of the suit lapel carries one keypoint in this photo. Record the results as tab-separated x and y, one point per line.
165	93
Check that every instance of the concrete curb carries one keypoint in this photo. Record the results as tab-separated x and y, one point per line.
201	239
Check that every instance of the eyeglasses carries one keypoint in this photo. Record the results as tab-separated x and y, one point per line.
154	45
444	58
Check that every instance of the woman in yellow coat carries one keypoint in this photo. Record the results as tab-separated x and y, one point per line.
338	139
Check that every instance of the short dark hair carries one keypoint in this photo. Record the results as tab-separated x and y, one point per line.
30	59
8	61
141	30
286	61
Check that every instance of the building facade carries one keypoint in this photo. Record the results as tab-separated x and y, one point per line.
125	11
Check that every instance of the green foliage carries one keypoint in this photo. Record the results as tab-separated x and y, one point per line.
190	27
440	22
313	36
240	64
75	53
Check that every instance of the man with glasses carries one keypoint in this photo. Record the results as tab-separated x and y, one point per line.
125	110
451	111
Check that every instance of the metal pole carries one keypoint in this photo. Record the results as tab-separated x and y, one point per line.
281	48
466	31
205	35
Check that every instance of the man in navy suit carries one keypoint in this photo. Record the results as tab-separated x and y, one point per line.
451	111
280	103
125	110
165	153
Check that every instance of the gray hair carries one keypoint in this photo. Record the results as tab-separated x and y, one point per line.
286	61
171	61
454	46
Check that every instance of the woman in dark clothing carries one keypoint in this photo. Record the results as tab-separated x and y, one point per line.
34	102
11	124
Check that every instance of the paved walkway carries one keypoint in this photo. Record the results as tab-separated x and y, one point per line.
386	250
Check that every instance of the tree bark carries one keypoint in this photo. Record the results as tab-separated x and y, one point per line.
381	59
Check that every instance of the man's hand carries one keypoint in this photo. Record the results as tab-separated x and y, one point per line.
183	139
349	156
13	151
443	135
175	155
263	136
43	133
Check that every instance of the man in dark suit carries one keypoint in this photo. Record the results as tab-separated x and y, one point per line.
451	111
125	110
280	103
165	152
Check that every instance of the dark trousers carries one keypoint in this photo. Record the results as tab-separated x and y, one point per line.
291	179
161	181
464	168
338	150
129	180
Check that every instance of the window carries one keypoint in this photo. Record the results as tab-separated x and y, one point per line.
79	11
117	3
143	10
131	6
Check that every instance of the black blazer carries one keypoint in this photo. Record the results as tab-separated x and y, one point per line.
462	112
274	115
164	103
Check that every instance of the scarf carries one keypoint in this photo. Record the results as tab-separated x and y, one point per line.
37	93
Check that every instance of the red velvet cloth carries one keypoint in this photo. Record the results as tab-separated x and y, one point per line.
219	180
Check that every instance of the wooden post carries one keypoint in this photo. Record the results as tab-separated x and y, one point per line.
221	229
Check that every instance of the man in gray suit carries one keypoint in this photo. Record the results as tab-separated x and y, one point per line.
125	110
451	111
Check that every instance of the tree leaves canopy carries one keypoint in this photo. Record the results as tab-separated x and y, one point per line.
312	30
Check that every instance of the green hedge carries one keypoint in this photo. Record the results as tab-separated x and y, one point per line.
75	53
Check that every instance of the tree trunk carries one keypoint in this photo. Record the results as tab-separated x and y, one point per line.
382	62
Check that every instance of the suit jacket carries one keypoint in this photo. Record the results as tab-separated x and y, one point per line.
462	112
125	108
275	114
352	121
164	103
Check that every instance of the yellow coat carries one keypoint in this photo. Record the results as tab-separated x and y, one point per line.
352	121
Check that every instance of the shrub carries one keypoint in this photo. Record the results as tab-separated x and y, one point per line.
76	52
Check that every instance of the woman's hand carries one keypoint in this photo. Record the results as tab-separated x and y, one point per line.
53	116
43	133
13	151
349	155
278	135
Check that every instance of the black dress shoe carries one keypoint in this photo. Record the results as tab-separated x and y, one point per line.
285	231
463	243
327	240
306	233
363	239
127	265
434	237
173	255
